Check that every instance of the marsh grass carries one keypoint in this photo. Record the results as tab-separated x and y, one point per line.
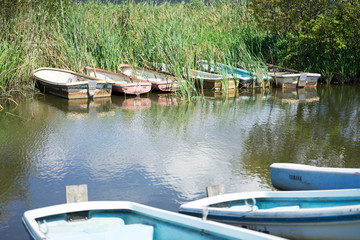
104	35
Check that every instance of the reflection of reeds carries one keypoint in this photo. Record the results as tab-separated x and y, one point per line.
105	34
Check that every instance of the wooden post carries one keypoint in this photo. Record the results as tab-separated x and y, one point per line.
76	193
215	190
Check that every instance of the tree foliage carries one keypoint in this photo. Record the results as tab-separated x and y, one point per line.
317	35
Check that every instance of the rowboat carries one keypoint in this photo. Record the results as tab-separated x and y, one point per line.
120	83
159	81
243	76
321	214
289	176
289	78
126	221
69	84
207	80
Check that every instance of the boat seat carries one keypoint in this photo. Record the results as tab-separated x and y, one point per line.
241	207
283	208
99	228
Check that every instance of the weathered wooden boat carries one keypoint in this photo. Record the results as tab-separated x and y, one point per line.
322	214
124	220
207	80
244	77
289	176
120	82
159	81
69	84
289	78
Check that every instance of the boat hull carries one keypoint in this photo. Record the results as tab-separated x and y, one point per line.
70	85
110	220
287	176
329	214
159	81
120	83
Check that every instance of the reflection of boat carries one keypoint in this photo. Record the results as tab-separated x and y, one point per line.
78	108
159	81
298	95
327	214
69	84
124	220
243	76
166	99
289	176
136	103
288	78
120	82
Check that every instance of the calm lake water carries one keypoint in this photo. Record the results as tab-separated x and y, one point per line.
159	151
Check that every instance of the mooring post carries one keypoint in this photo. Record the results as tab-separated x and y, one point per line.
215	190
76	193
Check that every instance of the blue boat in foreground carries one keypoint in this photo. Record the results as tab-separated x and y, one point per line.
290	176
108	220
326	214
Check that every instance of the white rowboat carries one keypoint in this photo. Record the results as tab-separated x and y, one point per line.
289	176
326	214
110	220
69	84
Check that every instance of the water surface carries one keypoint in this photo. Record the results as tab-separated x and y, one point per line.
162	152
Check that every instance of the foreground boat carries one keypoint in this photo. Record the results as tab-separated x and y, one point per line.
243	76
159	81
69	84
327	214
125	220
288	78
289	176
120	83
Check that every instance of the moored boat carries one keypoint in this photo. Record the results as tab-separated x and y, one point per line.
207	80
127	221
290	176
120	82
323	214
69	84
159	81
289	78
244	77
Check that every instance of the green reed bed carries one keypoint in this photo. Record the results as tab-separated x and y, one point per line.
104	35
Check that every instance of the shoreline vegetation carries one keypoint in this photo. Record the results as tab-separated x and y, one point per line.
317	36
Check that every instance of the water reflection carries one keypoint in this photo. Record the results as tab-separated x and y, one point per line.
162	151
296	96
135	103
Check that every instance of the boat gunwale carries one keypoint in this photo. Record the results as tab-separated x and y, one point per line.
37	78
174	79
129	83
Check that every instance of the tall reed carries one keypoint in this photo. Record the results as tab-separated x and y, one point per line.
106	34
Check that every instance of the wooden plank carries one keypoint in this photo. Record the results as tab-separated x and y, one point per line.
302	80
215	190
76	193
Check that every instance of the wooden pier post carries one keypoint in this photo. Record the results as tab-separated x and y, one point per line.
76	193
215	190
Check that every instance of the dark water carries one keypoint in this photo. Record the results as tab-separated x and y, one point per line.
156	152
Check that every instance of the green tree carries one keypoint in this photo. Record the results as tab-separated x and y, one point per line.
318	35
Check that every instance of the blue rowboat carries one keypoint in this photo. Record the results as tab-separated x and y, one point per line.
325	214
110	220
231	72
289	176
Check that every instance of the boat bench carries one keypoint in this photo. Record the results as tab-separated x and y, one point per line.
98	228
